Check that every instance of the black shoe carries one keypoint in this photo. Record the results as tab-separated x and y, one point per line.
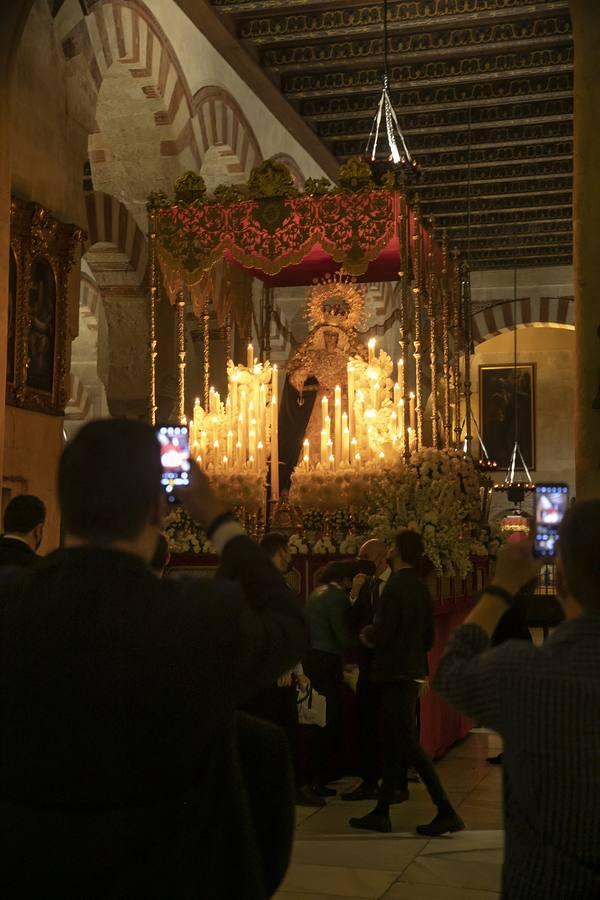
441	824
305	796
399	797
321	791
364	791
495	760
373	821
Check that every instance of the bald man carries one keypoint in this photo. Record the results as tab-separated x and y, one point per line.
364	597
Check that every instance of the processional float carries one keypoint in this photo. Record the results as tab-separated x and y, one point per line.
383	412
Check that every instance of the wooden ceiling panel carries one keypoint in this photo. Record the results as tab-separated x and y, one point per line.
483	90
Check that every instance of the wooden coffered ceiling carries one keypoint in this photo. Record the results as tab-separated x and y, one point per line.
483	90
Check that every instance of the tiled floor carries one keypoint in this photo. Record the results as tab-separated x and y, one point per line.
332	860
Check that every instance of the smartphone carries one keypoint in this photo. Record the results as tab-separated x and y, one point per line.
174	456
551	502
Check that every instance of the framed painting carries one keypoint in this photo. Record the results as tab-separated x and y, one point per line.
507	411
41	338
42	253
11	350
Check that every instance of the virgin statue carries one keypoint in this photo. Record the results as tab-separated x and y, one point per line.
334	310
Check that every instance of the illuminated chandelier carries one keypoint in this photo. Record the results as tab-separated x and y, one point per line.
385	122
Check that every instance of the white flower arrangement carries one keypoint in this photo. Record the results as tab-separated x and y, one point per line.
328	490
184	536
239	488
438	497
297	546
324	546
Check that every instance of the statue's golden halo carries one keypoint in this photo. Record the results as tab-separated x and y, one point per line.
336	300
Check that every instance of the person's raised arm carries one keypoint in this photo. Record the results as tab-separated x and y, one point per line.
273	633
470	675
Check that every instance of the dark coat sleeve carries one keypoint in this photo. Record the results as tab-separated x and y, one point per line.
272	630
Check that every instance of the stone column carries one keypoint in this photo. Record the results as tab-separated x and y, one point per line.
13	17
586	215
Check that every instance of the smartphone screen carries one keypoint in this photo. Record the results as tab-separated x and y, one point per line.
174	456
550	506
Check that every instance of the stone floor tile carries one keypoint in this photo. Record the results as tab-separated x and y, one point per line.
464	841
381	852
477	869
338	881
303	895
434	892
477	817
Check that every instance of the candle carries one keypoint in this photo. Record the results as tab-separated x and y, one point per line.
324	411
234	394
305	462
252	439
327	426
242	438
397	394
373	396
338	421
371	346
411	410
350	371
238	455
353	450
274	435
260	456
331	461
262	403
250	356
211	401
401	376
225	462
230	444
228	410
203	437
199	461
306	448
323	447
357	460
345	458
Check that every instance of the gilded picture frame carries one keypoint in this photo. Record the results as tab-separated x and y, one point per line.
43	251
497	408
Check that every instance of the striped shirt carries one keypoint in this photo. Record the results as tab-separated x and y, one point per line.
545	702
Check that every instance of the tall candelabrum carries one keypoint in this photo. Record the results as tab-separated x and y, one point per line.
239	435
372	429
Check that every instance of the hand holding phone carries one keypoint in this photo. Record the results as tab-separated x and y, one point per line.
551	501
175	458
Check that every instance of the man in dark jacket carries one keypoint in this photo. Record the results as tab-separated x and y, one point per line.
24	519
120	769
401	635
364	597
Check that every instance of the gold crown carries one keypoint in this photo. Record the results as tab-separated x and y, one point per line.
336	300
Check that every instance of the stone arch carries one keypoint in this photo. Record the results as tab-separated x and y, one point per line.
126	32
558	312
87	395
221	122
116	263
295	170
110	222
